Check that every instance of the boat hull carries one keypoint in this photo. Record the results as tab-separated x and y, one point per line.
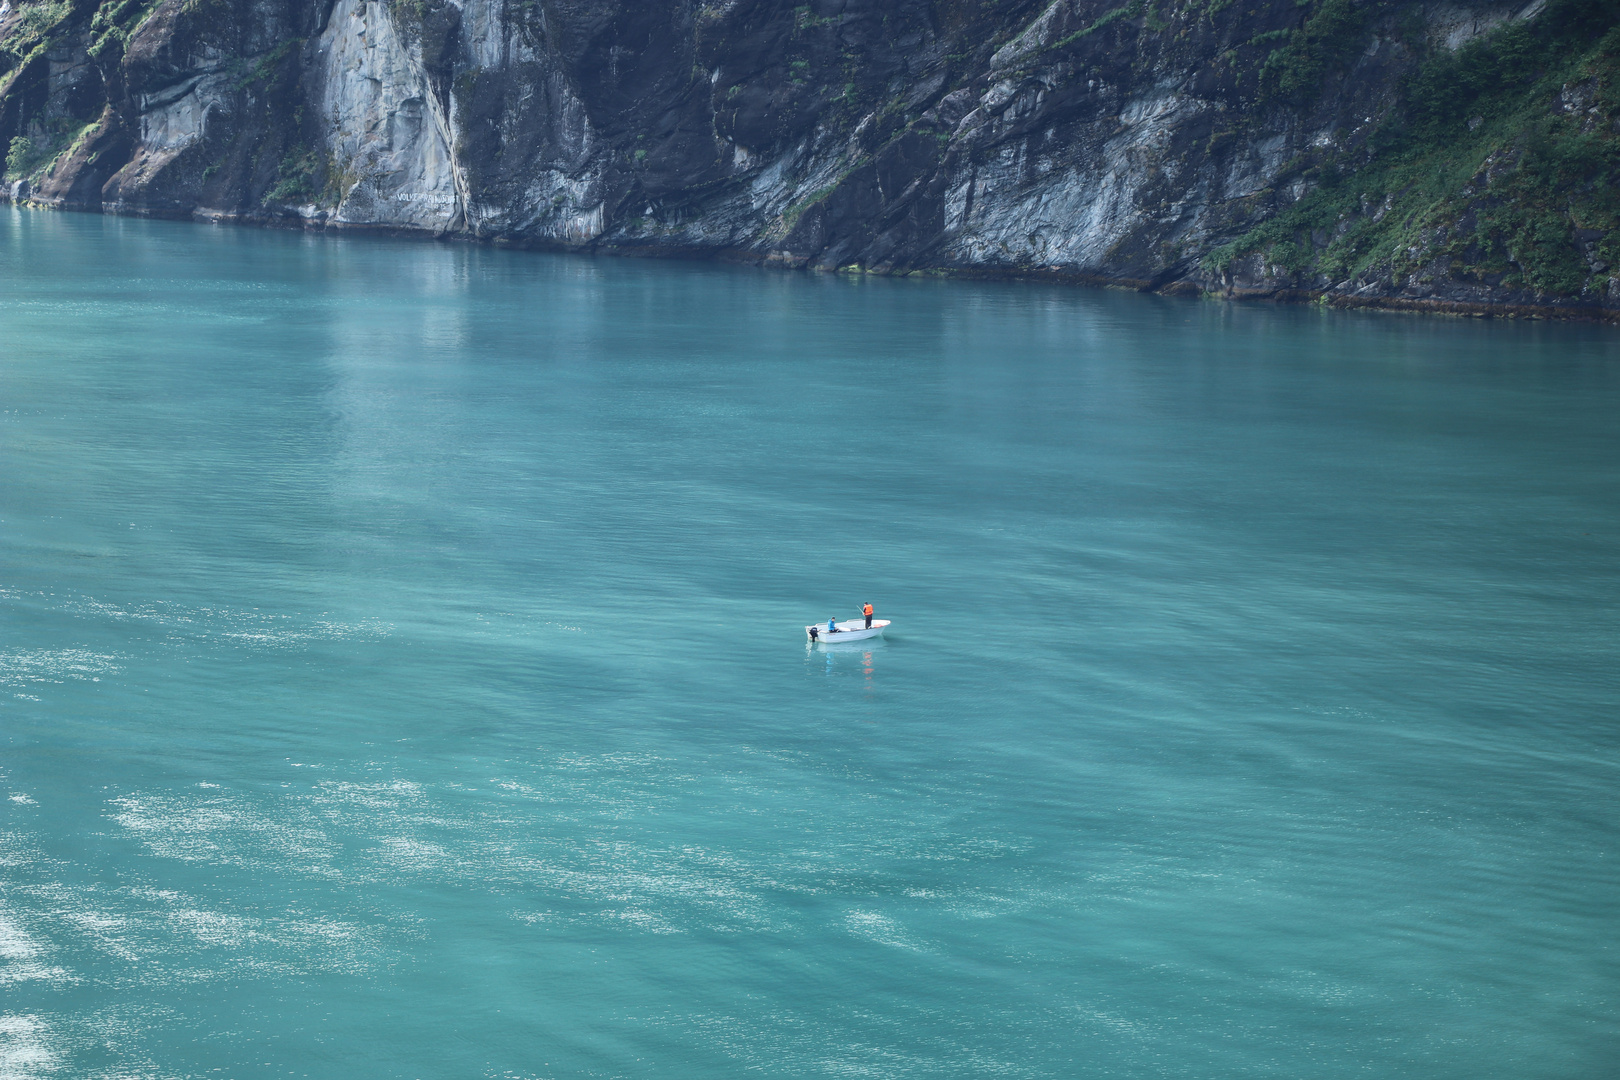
857	632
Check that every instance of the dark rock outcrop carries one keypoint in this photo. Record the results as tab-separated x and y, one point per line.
1456	155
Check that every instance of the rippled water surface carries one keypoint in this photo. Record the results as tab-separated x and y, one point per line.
402	674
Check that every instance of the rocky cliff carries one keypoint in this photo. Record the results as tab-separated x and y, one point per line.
1448	153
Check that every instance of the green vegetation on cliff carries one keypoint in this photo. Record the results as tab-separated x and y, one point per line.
1460	154
1331	36
1498	165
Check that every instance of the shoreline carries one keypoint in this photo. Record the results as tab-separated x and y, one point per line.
1183	288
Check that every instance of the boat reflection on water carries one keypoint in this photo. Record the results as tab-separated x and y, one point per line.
845	657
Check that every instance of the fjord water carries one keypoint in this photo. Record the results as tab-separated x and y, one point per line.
402	673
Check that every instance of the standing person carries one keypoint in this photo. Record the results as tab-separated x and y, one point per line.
867	611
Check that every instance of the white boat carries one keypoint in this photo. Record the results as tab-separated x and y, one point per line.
854	630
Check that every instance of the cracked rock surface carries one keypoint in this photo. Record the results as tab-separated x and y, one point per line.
1147	144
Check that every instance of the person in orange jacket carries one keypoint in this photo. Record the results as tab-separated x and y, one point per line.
867	611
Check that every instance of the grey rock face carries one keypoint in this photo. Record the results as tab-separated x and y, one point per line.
1075	138
387	134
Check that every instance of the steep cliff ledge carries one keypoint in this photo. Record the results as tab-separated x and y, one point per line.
1454	155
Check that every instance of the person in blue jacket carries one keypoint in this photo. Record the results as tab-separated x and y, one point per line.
832	626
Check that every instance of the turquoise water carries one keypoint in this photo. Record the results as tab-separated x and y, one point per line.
402	674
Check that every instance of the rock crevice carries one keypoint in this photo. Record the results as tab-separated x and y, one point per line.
1411	154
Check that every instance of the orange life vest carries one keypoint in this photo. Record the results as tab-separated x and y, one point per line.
867	610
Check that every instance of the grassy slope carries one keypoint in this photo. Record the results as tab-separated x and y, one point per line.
1498	154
